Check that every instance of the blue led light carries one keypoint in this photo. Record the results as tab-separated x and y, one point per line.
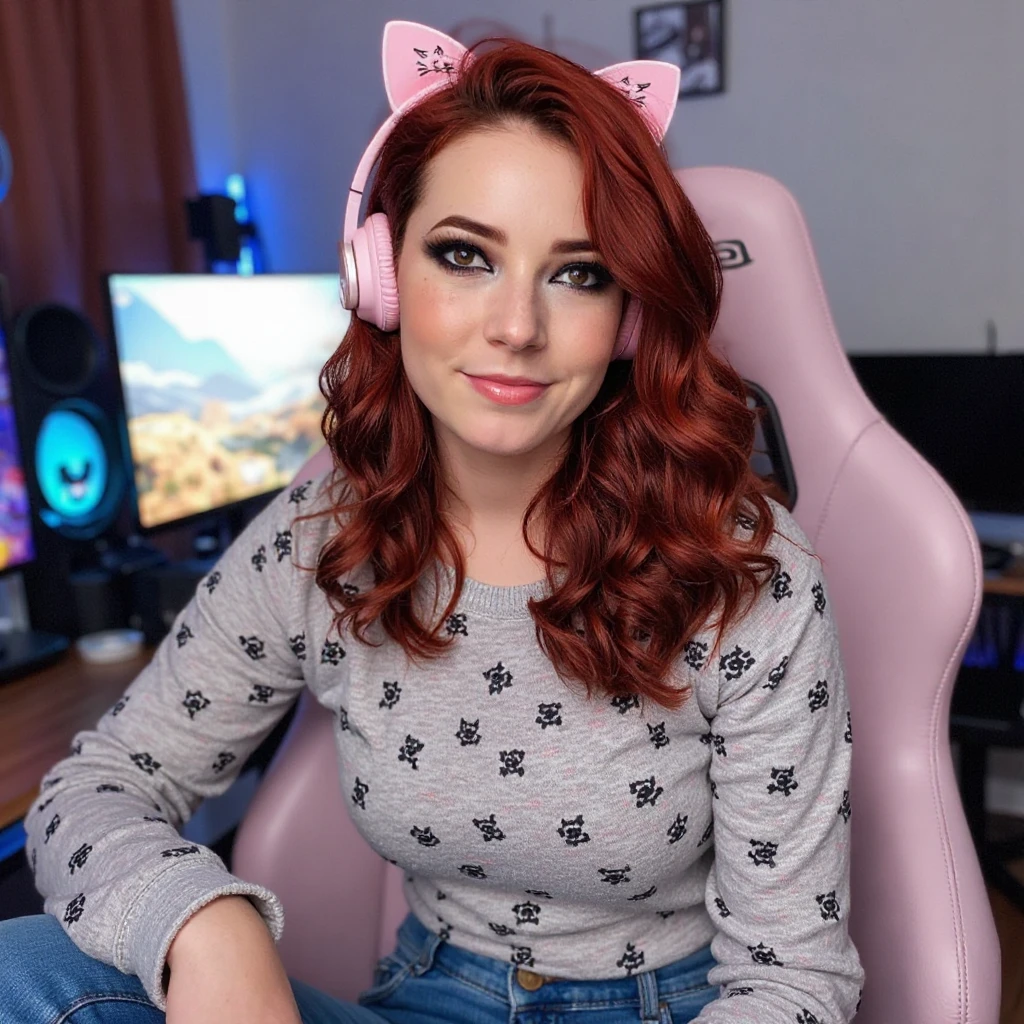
6	167
980	655
1018	658
236	190
235	187
12	839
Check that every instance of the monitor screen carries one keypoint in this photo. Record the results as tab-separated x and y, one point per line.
220	375
962	412
16	544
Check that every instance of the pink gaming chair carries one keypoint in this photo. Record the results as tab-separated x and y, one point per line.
904	572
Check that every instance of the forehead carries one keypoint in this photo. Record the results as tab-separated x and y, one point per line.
505	177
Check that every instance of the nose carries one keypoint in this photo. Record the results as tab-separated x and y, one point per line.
515	317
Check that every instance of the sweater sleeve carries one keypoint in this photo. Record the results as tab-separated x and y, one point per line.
103	836
781	745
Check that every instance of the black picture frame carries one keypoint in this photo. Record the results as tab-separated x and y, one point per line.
690	34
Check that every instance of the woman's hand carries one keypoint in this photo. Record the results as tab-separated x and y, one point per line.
225	969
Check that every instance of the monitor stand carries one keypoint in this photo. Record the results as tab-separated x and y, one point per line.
25	650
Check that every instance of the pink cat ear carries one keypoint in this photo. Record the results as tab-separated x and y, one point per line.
417	58
653	85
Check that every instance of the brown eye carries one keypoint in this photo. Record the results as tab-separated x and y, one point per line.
579	276
455	256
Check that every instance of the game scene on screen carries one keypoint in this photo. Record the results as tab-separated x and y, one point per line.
15	525
221	383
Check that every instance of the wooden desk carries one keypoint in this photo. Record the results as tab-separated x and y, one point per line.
39	715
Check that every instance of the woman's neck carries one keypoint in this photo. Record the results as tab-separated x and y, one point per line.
496	553
485	503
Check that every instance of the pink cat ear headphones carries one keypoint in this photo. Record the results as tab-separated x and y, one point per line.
417	61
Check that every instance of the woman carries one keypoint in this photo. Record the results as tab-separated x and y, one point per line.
585	674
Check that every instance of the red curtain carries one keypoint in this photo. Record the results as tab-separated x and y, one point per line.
92	101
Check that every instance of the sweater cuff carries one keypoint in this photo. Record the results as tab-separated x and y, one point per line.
168	902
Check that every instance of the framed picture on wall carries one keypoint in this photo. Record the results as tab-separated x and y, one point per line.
690	33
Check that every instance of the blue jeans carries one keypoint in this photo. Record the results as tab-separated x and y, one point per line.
46	979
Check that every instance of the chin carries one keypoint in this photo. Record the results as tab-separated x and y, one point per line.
501	443
505	448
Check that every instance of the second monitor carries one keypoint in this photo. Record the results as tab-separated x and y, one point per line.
220	376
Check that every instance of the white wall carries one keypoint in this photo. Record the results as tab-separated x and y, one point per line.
896	125
209	82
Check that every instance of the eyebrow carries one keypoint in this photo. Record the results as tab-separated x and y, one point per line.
495	235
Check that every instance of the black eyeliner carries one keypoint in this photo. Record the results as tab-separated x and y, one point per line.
437	248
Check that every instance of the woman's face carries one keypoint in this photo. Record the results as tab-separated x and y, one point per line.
497	276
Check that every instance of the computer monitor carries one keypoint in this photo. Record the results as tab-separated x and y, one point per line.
964	412
16	542
220	376
21	650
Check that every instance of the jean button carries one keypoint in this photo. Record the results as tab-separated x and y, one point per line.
528	980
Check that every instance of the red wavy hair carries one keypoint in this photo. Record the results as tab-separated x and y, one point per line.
640	515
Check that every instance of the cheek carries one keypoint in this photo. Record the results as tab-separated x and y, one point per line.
594	330
429	312
426	336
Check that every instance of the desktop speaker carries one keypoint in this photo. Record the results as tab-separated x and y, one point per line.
69	411
68	404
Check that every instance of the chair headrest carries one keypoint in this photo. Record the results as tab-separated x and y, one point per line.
775	326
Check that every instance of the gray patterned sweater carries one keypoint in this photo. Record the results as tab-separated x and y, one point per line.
581	838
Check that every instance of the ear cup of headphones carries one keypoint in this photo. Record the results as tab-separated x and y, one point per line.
375	273
629	331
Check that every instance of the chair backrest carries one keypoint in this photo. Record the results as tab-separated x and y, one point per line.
903	568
